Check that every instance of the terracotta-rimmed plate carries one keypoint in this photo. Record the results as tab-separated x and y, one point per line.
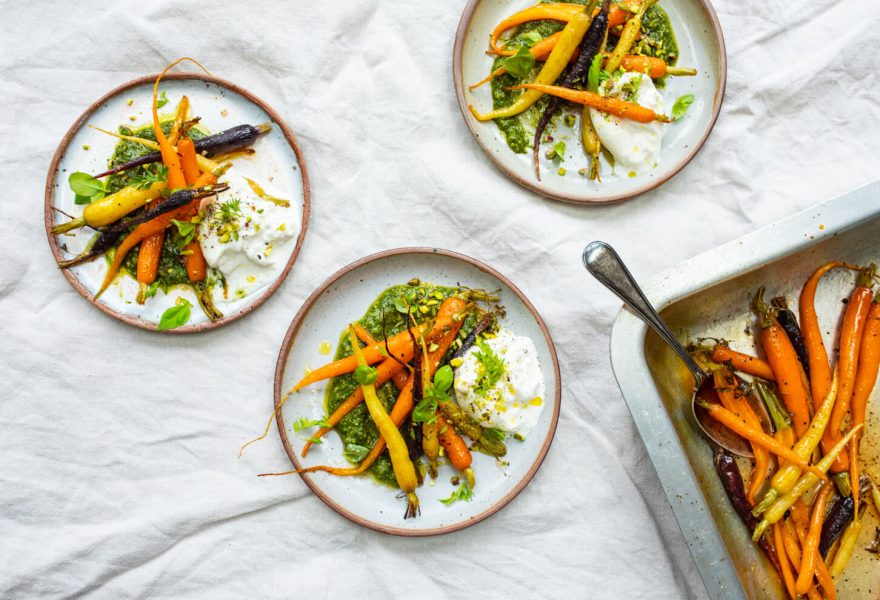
342	299
278	162
701	46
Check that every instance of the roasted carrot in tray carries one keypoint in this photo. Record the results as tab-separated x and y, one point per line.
739	361
783	359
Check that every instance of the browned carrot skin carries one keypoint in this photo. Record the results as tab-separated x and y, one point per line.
851	332
744	363
869	364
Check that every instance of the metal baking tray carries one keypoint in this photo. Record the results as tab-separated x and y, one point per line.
708	296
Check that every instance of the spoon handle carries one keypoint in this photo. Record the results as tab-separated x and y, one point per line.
602	261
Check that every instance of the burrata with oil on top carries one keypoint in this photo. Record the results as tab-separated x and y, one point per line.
635	146
499	383
248	237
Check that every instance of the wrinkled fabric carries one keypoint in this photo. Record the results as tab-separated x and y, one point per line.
119	476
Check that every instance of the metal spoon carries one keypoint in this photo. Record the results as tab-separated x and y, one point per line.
604	264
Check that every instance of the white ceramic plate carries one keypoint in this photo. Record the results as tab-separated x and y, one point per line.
343	299
277	164
701	46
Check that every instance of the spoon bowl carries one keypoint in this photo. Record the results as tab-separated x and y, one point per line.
604	264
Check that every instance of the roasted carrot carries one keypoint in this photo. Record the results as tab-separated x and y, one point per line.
615	106
455	448
851	334
151	247
400	377
869	363
404	403
726	387
628	34
196	266
560	11
785	567
811	544
745	363
739	425
188	162
653	67
793	549
431	446
784	361
179	119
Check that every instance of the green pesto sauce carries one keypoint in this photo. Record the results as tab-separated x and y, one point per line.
657	39
357	427
514	128
172	269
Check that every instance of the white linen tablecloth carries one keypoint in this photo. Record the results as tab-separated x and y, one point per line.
119	476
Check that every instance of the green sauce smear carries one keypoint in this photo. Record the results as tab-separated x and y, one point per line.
357	427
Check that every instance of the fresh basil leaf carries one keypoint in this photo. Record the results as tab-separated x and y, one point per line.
520	64
163	99
175	316
425	411
593	74
681	105
82	199
401	305
365	375
84	184
559	149
443	378
355	453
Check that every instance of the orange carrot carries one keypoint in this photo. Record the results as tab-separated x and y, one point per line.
400	377
743	362
653	67
187	149
404	403
454	446
820	368
784	565
851	334
869	363
811	544
739	425
196	266
783	360
726	387
177	126
608	104
561	11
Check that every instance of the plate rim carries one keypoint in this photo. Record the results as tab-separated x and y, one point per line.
75	128
546	191
287	344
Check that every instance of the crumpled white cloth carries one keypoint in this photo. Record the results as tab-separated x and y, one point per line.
119	475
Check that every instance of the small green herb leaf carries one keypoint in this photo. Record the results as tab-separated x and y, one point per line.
520	64
355	453
463	492
85	185
163	99
365	375
82	199
559	149
531	38
491	368
425	411
151	290
593	74
304	423
681	105
175	316
401	305
186	232
150	176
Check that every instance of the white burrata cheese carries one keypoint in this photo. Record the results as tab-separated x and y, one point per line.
247	238
514	402
635	146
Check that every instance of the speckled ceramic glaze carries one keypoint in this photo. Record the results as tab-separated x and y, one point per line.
343	299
